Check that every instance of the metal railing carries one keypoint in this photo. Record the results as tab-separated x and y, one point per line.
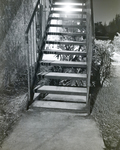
34	35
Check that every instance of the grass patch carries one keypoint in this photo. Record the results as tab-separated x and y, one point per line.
106	113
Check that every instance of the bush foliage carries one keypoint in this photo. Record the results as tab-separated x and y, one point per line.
116	43
102	53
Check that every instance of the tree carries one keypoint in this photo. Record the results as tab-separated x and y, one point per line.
109	30
100	29
114	26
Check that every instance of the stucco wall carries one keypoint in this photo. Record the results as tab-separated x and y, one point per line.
8	10
15	17
12	49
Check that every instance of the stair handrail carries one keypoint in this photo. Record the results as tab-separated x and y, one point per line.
32	17
33	14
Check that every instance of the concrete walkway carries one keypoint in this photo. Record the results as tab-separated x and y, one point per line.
47	130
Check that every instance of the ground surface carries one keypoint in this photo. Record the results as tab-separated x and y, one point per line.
48	130
106	110
11	107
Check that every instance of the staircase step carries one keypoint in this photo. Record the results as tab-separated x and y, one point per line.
72	6
66	33
64	52
69	1
62	90
66	26
65	63
58	75
71	13
66	98
71	107
65	42
68	18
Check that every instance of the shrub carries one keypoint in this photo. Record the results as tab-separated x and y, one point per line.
116	43
102	53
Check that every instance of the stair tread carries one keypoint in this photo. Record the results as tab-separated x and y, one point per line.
62	90
65	42
73	6
60	105
66	98
63	52
68	18
64	63
74	1
66	33
63	12
65	75
67	26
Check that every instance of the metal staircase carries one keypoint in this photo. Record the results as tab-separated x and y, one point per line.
60	73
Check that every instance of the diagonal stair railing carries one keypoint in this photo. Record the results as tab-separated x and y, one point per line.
34	34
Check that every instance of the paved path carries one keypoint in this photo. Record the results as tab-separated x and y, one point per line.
46	130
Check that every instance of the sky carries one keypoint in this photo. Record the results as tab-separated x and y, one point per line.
105	10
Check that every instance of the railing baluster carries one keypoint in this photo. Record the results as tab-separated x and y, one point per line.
35	39
30	55
40	22
28	66
34	50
